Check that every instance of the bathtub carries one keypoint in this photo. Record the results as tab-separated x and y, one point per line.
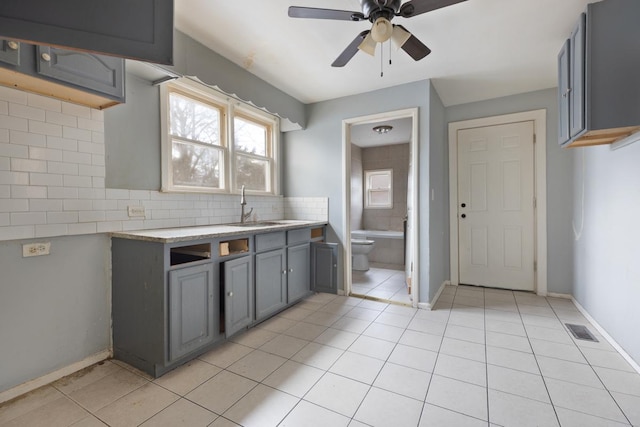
389	246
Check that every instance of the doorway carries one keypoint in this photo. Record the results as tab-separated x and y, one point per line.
380	193
497	197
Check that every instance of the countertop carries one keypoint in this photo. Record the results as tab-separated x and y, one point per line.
181	234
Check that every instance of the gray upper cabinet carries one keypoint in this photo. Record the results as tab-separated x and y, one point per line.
10	52
140	29
103	74
238	294
193	309
598	78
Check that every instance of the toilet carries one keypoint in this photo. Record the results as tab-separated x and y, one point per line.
360	254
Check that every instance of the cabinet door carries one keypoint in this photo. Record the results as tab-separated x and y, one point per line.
103	74
577	80
10	52
271	282
324	267
238	291
563	93
193	310
299	272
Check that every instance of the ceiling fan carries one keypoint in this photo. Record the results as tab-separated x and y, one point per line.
379	13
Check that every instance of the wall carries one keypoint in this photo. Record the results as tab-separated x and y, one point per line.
395	157
439	195
313	158
357	188
606	202
559	177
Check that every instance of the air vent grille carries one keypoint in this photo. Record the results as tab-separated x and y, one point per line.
581	332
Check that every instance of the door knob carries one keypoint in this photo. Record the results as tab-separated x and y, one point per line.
463	215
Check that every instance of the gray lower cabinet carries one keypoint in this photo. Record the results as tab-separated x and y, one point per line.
324	267
193	309
238	294
298	272
271	282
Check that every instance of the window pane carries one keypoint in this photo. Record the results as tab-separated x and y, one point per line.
252	173
194	120
196	165
379	198
380	180
250	137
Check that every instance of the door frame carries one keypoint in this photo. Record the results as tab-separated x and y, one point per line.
411	113
539	118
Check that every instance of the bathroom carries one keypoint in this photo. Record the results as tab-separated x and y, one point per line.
380	184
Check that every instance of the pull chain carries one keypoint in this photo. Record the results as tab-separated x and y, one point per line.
389	53
381	59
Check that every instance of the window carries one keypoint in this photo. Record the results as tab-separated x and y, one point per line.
378	189
212	143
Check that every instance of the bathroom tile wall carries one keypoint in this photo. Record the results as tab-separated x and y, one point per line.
52	180
357	190
394	157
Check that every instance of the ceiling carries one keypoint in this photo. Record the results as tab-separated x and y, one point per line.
481	49
363	135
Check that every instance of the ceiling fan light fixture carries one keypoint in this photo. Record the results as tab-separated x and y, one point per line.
381	30
382	129
399	36
368	45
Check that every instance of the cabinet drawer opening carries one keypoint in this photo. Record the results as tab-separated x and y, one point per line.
317	233
233	247
191	253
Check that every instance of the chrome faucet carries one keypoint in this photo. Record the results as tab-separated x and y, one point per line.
243	203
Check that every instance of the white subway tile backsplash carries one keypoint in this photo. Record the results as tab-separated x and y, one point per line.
14	232
26	138
63	193
61	119
76	110
75	133
43	128
76	157
77	205
90	147
4	219
46	179
4	108
62	168
98	182
109	226
28	192
5	163
97	160
117	194
25	165
91	193
39	153
51	230
118	215
4	135
16	178
14	123
28	218
77	181
92	125
89	170
62	217
97	115
97	137
43	102
12	95
86	228
140	194
14	151
45	205
91	216
62	143
5	191
26	112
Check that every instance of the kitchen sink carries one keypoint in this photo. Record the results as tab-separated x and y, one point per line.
256	224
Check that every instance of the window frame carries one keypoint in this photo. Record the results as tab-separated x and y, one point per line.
229	108
367	188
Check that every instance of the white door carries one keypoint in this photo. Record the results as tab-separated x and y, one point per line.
496	206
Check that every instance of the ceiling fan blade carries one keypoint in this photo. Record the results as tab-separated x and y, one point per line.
350	51
418	7
414	47
317	13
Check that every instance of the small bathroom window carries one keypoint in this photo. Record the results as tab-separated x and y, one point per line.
378	189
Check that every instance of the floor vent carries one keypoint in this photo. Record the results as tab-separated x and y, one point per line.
581	332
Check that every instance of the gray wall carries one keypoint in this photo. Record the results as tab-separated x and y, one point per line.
559	177
55	310
439	206
313	157
607	249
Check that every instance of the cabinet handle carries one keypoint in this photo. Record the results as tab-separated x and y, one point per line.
230	294
46	57
291	270
12	45
284	271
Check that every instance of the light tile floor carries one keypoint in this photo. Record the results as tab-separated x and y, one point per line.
381	281
481	358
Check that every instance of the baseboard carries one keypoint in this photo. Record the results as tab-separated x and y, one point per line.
562	296
24	388
430	305
606	336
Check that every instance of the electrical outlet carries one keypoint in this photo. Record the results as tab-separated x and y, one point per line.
136	211
36	249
